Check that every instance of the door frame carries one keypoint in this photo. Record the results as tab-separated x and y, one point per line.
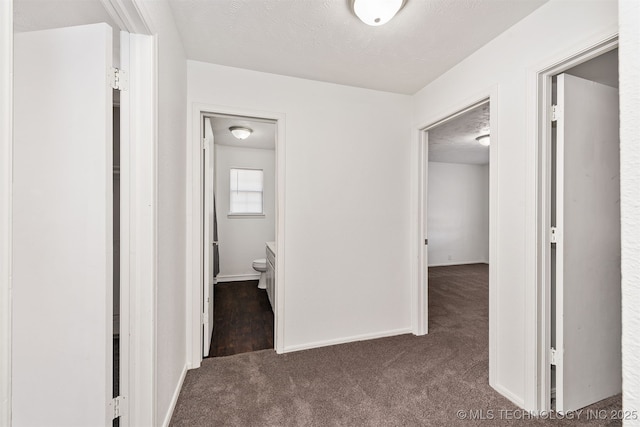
195	238
538	266
420	315
142	232
6	142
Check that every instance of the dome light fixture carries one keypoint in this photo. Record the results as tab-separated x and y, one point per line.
376	12
240	132
484	140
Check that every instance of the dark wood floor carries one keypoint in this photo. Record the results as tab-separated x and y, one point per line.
243	319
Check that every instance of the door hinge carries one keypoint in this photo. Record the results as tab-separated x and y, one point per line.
555	112
553	354
426	241
117	406
118	79
204	319
553	236
205	143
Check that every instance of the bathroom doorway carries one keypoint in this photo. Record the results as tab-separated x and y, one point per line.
239	223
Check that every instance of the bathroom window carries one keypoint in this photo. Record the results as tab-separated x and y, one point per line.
246	192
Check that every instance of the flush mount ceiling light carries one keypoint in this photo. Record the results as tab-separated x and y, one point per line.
240	132
376	12
484	140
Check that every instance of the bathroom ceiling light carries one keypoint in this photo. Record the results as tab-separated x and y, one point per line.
240	132
484	140
376	12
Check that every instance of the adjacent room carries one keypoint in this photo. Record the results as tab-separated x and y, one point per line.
458	223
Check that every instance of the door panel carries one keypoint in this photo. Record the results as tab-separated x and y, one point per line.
209	243
62	227
588	326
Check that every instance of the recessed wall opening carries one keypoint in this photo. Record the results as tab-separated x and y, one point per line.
239	223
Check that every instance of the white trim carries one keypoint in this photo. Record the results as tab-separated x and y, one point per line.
174	398
420	286
537	261
237	277
129	15
448	264
346	340
194	223
6	142
232	215
517	400
142	248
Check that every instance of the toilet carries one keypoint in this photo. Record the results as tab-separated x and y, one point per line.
261	266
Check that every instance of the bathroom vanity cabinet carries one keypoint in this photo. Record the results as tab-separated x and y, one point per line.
271	272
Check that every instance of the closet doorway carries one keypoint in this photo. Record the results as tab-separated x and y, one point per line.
584	268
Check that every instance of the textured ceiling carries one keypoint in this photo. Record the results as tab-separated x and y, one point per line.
323	40
455	140
263	136
33	15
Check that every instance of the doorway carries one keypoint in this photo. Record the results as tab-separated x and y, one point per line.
239	224
584	265
458	226
473	121
210	128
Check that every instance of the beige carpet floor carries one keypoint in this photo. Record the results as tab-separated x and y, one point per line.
433	380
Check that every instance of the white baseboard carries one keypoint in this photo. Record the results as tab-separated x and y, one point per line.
174	398
354	338
517	400
447	264
237	277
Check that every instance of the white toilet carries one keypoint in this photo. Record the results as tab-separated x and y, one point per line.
261	266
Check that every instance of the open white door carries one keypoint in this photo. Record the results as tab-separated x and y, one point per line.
62	227
209	241
588	311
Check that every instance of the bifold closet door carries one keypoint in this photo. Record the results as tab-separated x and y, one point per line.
588	326
62	227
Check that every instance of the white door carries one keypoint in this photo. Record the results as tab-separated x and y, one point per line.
209	242
62	227
588	322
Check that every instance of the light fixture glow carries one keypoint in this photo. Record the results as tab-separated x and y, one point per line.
376	12
484	140
240	132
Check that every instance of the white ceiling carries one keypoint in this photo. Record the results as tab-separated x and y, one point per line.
323	40
455	140
33	15
315	39
263	136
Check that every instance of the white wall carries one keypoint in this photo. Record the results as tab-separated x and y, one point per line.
171	209
630	201
506	63
242	239
347	200
458	213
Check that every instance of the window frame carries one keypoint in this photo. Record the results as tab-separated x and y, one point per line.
260	214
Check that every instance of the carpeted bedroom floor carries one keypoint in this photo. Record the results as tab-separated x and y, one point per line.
433	380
